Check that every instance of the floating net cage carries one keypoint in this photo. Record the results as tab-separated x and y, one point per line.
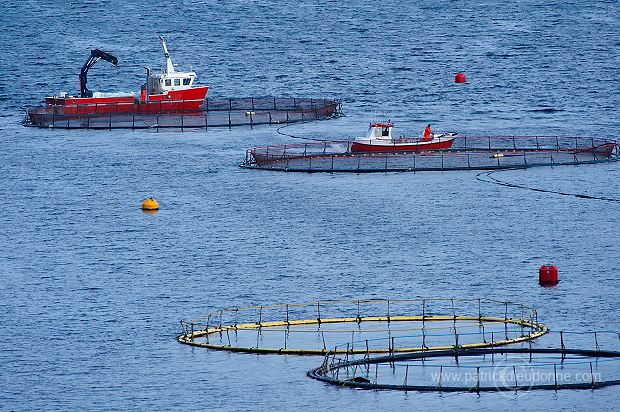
249	111
371	326
559	360
467	153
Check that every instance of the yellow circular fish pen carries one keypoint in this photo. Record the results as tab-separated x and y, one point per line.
375	325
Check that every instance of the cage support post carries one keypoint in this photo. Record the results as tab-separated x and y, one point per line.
376	373
456	346
352	340
287	321
440	376
514	372
596	342
207	328
184	330
257	336
453	312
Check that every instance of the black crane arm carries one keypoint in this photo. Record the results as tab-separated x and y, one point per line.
95	55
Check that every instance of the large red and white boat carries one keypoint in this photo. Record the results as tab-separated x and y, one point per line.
164	92
379	139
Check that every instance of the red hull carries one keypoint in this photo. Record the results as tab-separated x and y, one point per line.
400	147
187	100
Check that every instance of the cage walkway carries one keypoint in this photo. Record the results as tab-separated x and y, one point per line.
251	111
467	153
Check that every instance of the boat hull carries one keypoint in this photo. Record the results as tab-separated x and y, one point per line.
187	100
377	146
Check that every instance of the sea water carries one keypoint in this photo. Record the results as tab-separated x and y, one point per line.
92	289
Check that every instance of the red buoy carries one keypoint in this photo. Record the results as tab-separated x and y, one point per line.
548	275
460	78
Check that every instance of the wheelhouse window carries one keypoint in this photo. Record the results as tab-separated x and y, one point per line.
187	81
177	82
168	82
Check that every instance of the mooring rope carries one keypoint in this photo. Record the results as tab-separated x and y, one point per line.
334	115
493	180
298	137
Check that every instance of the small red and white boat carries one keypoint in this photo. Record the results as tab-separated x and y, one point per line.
165	92
379	139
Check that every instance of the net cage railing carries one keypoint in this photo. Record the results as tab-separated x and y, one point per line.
467	153
213	113
559	360
313	328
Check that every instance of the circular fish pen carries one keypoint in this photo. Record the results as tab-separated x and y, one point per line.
467	153
251	111
526	366
372	326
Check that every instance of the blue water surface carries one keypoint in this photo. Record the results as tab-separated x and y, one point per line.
92	289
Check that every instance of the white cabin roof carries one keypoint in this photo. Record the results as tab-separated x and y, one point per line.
380	131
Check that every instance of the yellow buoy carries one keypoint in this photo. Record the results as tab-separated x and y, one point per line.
150	204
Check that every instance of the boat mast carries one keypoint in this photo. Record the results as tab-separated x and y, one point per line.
169	65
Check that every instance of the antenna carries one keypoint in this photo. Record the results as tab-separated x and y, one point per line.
169	65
